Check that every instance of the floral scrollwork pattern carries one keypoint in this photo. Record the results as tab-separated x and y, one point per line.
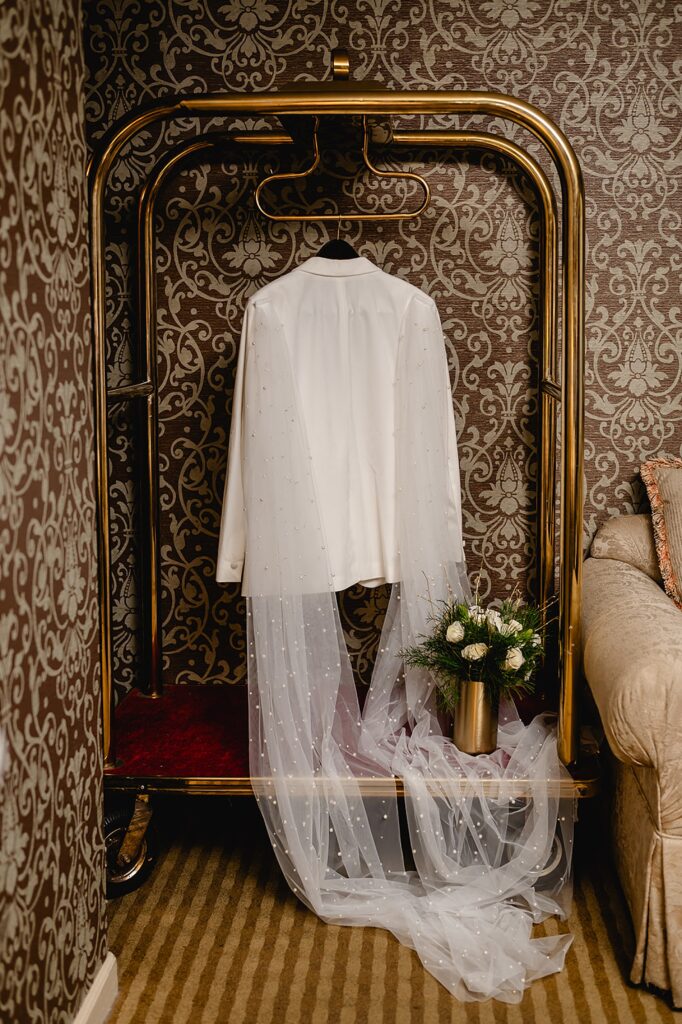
52	918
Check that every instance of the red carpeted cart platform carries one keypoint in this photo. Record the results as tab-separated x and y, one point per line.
194	738
191	737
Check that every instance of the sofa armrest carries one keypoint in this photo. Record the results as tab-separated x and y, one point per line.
632	657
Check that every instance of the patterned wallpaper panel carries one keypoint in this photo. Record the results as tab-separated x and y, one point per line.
52	925
609	76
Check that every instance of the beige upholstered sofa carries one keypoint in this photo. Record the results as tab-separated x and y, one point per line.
632	637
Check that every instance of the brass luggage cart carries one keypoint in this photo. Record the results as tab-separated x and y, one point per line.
140	755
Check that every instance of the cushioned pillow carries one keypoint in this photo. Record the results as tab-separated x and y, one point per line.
663	481
628	539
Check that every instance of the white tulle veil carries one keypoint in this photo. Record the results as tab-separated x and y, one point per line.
487	866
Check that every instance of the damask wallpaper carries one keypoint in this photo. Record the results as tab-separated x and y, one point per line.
609	74
52	925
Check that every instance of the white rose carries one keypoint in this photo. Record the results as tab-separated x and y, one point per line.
514	659
494	618
474	652
455	632
510	628
517	625
476	614
537	640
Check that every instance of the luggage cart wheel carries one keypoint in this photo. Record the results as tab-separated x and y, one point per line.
130	844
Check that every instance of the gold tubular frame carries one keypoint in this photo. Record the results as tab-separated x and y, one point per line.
353	99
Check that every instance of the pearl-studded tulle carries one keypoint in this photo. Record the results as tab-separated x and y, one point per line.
488	866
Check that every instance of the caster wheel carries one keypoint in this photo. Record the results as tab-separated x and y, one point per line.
122	879
557	864
556	857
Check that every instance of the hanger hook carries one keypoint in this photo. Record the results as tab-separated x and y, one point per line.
338	227
290	176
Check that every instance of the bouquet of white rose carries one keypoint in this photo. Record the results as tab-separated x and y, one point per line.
499	647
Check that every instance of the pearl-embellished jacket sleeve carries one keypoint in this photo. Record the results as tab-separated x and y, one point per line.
232	543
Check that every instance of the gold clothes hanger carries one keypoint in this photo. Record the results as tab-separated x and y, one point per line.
296	175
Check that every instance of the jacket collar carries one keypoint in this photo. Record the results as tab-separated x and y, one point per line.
337	268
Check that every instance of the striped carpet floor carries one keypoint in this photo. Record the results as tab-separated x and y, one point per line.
216	937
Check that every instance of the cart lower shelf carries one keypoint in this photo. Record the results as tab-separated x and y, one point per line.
194	739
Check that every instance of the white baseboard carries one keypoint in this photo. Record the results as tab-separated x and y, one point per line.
101	995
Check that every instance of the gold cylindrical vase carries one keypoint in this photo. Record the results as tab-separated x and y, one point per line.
475	720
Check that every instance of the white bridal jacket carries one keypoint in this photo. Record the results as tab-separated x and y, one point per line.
341	321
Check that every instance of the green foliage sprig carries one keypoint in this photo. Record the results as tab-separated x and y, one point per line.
502	647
